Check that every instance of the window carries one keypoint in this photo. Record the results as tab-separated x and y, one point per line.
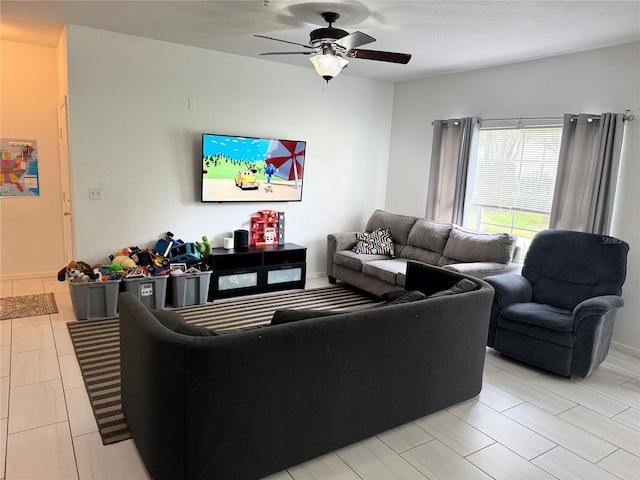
512	180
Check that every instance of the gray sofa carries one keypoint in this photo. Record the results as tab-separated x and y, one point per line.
248	404
441	244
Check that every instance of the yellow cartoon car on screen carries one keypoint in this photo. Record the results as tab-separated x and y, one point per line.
247	180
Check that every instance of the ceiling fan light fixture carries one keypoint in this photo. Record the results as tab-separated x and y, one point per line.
327	65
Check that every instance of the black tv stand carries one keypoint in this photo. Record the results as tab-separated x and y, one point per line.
256	269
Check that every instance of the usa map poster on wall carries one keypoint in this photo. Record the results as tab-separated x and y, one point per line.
19	168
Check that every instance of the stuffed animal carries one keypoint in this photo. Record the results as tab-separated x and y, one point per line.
77	272
204	247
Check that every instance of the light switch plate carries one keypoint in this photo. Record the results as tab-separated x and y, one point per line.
95	193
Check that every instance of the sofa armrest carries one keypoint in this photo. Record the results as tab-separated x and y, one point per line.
510	289
484	269
337	242
596	306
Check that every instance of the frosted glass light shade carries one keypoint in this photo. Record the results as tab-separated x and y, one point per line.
328	66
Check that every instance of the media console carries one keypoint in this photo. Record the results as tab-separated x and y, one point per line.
256	270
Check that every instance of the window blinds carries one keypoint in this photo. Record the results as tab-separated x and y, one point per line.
516	168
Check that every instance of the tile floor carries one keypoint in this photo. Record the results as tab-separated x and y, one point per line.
524	424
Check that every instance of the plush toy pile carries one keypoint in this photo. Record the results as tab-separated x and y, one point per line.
169	256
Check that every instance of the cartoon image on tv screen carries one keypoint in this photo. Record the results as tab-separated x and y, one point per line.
251	169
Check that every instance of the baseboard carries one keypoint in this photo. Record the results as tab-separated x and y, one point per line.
620	347
25	276
316	275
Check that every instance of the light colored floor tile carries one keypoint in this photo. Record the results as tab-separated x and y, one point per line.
509	433
81	418
29	321
630	418
34	366
59	320
435	461
6	288
490	368
633	384
63	300
575	392
405	437
498	398
5	360
456	434
41	453
373	460
5	332
70	370
502	464
326	467
605	428
107	462
560	431
623	362
63	342
52	285
622	464
561	463
538	396
612	390
4	397
279	476
612	374
36	405
34	337
505	363
27	286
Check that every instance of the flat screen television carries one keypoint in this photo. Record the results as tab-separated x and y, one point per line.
249	169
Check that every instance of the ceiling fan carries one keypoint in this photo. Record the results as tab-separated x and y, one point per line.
330	47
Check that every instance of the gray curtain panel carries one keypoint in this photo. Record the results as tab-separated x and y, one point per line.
450	153
587	172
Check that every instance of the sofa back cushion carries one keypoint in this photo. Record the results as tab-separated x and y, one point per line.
429	235
468	246
398	225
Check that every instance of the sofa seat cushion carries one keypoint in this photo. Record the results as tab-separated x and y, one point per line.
386	270
540	315
422	255
467	246
397	297
354	261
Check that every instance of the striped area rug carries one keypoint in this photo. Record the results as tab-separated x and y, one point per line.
97	342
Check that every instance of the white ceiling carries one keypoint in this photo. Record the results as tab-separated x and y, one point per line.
442	36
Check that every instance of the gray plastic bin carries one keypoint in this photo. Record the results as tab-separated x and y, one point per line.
95	299
190	288
151	291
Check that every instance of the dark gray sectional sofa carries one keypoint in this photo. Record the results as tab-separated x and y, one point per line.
249	404
441	244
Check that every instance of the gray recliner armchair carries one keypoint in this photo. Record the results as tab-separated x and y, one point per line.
559	313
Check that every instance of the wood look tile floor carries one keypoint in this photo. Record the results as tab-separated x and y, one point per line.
525	423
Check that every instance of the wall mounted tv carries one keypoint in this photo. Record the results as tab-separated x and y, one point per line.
248	169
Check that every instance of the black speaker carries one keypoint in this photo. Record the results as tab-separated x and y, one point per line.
240	239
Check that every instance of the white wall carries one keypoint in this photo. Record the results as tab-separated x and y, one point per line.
603	80
31	226
133	135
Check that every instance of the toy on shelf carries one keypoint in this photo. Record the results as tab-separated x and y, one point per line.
264	228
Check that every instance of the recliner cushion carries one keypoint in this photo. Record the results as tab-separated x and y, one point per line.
541	315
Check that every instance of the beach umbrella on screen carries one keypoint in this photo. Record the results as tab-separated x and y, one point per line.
288	158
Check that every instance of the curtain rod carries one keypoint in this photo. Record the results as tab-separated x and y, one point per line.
627	117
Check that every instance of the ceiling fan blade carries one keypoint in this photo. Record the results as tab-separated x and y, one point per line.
380	56
287	53
285	41
354	40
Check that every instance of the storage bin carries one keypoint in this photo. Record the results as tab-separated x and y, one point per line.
151	291
95	299
190	288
